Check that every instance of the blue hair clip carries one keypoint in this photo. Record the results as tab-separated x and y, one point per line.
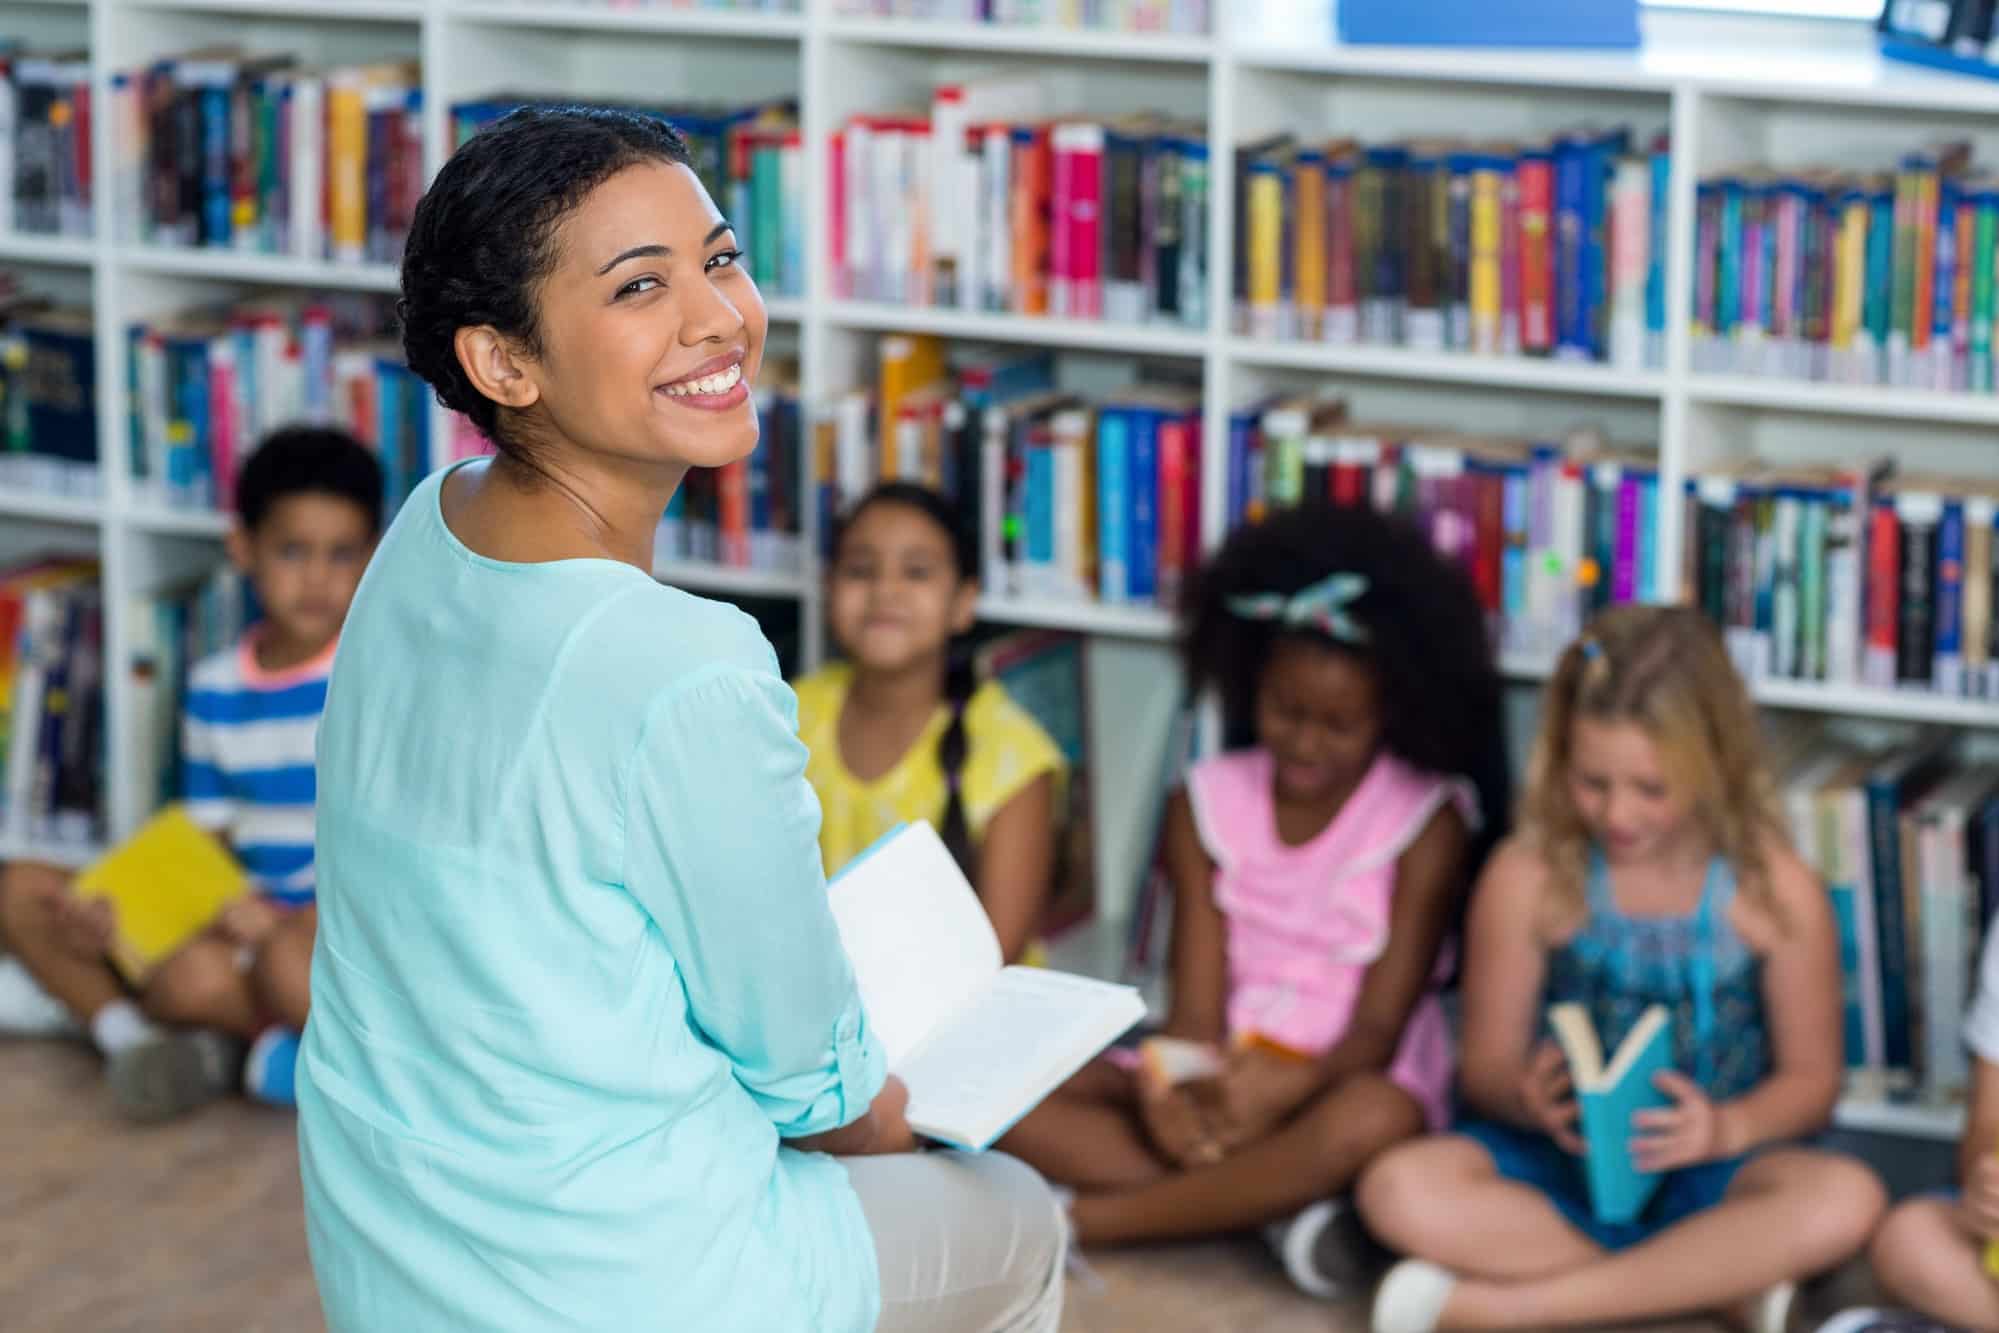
1321	606
1591	650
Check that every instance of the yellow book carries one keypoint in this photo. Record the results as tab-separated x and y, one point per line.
166	883
1309	235
1266	248
1485	291
909	362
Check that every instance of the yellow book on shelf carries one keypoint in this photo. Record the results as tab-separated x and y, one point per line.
165	883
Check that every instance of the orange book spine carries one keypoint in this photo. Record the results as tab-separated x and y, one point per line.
733	485
347	168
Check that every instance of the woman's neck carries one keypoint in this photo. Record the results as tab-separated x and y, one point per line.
562	507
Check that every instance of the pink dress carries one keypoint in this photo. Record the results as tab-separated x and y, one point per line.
1305	922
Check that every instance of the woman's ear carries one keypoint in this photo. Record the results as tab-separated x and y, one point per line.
495	367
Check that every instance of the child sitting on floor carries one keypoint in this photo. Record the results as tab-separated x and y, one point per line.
309	504
1651	869
1316	879
902	730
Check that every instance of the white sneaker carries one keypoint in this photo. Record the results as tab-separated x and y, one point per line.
26	1009
1411	1299
1882	1321
1324	1251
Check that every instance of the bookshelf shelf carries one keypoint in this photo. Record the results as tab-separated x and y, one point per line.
67	855
1068	43
1867	1115
1845	400
164	522
404	11
50	508
576	17
27	248
283	270
1911	705
977	326
1513	372
1122	622
706	577
786	309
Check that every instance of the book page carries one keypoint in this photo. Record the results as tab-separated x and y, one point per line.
1027	1031
916	935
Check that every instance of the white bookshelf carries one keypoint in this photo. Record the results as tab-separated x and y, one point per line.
1727	90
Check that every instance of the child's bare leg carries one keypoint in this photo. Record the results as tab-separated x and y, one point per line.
1823	1206
1443	1199
31	924
1925	1258
203	986
1088	1134
282	976
1317	1153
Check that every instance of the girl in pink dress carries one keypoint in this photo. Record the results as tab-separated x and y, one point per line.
1317	878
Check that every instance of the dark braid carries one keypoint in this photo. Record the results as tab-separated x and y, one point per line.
960	679
959	682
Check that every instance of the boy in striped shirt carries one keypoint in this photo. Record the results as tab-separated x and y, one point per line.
309	511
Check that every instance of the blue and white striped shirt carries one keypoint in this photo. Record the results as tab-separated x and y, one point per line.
247	738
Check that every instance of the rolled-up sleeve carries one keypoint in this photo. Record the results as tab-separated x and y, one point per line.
722	850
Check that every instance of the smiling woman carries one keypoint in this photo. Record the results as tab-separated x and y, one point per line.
563	1072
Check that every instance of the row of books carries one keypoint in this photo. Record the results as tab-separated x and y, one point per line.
205	386
48	397
1072	497
45	175
981	203
1175	16
747	514
51	701
1556	249
258	153
1550	531
1906	840
168	633
1849	575
750	157
1874	278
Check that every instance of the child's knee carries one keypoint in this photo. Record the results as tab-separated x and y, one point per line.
1839	1203
1917	1239
193	986
29	898
1366	1112
1400	1192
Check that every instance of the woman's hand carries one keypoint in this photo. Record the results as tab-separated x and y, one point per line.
1686	1133
884	1129
1546	1097
1260	1090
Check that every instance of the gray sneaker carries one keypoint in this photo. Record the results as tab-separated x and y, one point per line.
1325	1251
173	1074
1883	1321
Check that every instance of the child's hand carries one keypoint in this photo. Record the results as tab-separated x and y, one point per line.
86	924
1178	1123
1545	1097
1259	1090
247	920
1981	1199
1684	1134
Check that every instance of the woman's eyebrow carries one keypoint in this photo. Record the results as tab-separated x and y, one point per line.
657	251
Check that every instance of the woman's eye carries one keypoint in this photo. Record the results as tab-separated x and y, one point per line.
725	259
637	285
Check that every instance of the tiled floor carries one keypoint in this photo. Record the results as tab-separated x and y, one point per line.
196	1226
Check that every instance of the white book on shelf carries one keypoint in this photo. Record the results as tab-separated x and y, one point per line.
979	1044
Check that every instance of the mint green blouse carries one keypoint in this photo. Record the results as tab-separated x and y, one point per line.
575	978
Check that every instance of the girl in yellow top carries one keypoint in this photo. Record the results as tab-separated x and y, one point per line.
903	731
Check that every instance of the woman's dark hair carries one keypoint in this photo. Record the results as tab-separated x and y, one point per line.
1441	707
483	237
959	678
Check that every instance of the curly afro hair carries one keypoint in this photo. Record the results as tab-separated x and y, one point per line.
483	238
1440	694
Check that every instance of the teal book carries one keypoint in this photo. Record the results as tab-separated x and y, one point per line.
1609	1095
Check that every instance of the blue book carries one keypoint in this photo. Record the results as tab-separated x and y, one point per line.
1609	1094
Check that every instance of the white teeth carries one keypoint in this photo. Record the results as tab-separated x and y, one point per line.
720	382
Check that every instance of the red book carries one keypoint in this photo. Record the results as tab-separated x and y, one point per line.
1884	570
1086	222
733	522
1175	483
1061	238
1537	289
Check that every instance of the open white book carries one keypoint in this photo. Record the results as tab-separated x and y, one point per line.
978	1044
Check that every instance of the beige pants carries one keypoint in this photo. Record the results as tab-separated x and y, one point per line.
965	1243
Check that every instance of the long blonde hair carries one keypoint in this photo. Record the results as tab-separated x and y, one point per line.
1662	669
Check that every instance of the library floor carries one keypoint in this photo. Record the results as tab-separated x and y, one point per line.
195	1226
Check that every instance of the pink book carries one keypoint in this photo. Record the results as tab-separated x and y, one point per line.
1060	238
836	206
1086	223
1175	482
222	423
